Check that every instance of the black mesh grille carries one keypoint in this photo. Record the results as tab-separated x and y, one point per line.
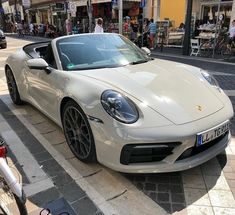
142	153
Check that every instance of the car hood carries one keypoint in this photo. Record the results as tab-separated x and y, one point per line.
171	89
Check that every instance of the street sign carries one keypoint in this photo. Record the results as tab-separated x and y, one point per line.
26	3
72	7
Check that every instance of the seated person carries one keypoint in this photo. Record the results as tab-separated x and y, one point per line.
49	57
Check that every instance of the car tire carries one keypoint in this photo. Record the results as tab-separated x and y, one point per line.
12	87
4	46
78	132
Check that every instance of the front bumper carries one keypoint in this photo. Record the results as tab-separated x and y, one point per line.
111	137
178	165
109	147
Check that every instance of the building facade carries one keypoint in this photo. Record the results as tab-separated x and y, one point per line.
204	10
57	11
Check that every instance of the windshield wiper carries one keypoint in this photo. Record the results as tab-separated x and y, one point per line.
138	62
93	67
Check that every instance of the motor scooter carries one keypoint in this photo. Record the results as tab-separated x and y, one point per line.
12	196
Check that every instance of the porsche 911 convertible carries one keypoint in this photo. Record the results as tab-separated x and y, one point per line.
120	107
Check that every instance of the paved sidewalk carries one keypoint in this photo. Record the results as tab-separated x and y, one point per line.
177	53
46	183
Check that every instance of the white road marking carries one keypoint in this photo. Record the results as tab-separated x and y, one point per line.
230	92
220	73
3	58
37	187
30	166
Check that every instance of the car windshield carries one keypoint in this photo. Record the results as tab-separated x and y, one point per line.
93	51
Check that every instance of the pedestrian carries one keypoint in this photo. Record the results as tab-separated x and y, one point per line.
152	33
11	26
134	27
31	29
232	32
99	26
20	29
126	27
68	26
76	28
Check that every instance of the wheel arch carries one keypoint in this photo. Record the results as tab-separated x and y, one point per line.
7	66
63	102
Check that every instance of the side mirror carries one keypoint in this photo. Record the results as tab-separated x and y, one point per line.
37	63
40	64
146	50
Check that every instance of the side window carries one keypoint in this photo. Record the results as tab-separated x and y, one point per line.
49	57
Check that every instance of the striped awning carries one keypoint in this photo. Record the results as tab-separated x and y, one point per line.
84	2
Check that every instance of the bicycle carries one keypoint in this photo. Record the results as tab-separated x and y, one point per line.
12	196
207	47
228	50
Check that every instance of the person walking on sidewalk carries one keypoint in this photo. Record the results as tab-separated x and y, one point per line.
99	26
232	32
68	26
152	33
20	29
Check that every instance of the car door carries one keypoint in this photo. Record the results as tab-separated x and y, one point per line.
44	87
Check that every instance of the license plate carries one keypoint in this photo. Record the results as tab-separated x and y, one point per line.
211	134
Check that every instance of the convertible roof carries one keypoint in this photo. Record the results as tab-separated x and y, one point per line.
30	48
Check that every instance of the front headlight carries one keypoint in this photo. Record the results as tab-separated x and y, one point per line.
212	81
119	107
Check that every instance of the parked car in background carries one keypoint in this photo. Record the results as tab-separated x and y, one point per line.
3	42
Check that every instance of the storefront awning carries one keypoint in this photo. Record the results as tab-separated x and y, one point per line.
80	3
133	0
84	2
6	7
100	1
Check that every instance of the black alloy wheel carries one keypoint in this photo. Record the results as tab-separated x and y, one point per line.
78	132
12	87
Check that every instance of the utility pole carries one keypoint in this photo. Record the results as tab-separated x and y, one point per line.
216	28
187	28
89	11
120	15
16	12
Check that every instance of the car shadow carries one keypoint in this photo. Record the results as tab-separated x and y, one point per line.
177	190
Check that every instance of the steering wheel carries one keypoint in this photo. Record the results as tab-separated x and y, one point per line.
65	59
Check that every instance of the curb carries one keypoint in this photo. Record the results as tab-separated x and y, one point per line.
218	61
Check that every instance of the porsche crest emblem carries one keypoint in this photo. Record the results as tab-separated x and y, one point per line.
199	107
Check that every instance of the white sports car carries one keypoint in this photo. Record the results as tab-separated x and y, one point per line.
121	107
